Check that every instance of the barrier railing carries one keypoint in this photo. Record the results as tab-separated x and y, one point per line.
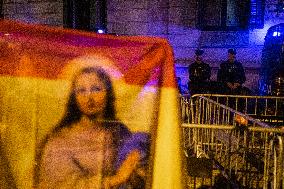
245	151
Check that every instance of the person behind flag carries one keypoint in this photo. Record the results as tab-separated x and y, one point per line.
85	148
231	74
199	75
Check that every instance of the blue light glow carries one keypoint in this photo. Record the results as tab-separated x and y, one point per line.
276	34
100	31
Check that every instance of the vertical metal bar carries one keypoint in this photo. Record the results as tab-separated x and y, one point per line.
266	107
256	106
246	105
268	146
280	163
236	104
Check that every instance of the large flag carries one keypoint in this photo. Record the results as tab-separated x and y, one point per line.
37	65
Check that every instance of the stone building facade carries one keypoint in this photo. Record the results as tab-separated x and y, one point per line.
175	20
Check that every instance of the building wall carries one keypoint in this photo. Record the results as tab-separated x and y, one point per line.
173	19
48	12
176	20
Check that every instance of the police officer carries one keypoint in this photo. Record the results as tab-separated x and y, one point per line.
231	74
199	75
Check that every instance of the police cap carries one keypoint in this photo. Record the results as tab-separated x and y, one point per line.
199	52
232	51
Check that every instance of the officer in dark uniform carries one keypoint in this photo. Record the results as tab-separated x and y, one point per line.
199	75
231	75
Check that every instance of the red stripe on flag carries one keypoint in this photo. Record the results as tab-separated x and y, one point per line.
41	51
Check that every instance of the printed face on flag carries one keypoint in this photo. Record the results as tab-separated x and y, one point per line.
85	110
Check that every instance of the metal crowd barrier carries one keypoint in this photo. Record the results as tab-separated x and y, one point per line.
229	149
267	109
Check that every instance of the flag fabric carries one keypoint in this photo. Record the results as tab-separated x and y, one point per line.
37	64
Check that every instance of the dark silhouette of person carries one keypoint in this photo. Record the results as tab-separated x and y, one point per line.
231	75
199	75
